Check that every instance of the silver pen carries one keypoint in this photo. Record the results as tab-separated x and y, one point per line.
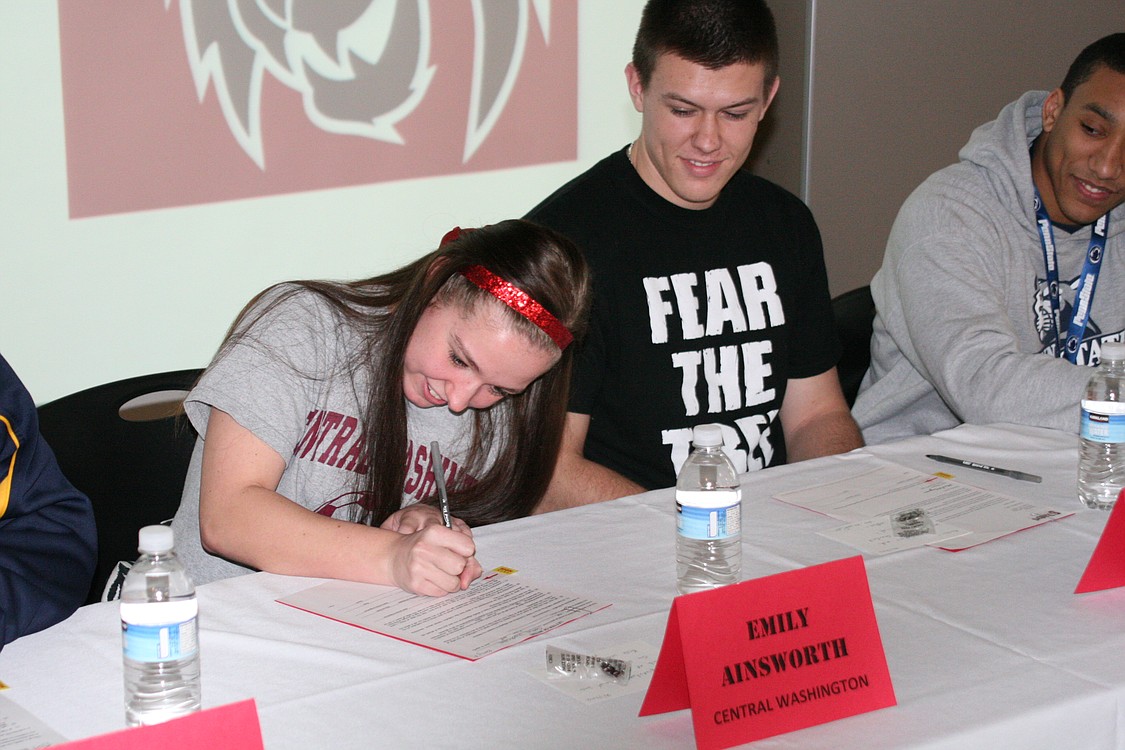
439	475
985	467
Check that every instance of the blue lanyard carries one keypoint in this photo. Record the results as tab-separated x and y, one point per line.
1084	294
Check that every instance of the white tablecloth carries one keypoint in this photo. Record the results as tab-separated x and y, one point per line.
987	648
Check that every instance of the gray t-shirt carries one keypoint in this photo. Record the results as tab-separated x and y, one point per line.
288	382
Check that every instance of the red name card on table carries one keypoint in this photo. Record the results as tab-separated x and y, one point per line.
772	655
1106	569
232	727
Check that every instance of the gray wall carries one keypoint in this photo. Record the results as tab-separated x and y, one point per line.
779	147
891	91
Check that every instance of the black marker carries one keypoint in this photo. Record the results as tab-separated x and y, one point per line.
439	475
985	467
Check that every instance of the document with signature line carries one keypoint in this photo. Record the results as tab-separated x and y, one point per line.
907	497
495	612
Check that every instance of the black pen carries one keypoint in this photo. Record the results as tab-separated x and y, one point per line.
985	467
439	475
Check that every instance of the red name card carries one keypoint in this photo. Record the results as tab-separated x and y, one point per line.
1106	569
772	655
232	727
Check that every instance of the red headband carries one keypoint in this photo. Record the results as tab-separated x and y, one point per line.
514	297
521	302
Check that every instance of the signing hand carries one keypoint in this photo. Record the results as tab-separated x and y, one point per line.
417	517
434	561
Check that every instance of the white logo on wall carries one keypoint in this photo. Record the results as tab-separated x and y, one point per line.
361	66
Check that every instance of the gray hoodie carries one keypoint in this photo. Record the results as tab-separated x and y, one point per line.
962	330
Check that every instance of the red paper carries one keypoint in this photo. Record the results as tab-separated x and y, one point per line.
1106	569
232	727
772	655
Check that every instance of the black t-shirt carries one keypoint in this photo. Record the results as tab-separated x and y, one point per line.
699	316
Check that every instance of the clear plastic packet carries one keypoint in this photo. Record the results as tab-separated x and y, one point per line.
912	522
567	665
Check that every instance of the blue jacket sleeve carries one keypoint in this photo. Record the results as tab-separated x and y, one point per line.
48	542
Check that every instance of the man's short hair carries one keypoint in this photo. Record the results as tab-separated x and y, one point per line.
711	33
1108	51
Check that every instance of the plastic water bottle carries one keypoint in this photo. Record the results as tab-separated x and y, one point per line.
708	515
158	632
1101	459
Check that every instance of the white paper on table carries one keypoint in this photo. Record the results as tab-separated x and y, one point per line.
20	730
891	488
494	613
642	660
882	536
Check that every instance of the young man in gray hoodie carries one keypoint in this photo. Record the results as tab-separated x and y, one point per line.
967	328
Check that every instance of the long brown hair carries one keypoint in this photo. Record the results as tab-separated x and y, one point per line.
386	309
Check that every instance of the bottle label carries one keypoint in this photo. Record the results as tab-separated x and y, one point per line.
1103	421
164	631
153	643
708	514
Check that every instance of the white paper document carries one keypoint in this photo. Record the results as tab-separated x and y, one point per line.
494	613
20	730
894	533
892	507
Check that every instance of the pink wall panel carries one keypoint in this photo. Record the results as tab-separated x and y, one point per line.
348	93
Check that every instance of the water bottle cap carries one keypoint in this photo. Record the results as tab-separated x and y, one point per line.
1112	350
155	539
707	435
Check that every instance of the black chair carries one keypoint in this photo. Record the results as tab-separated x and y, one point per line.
854	312
131	463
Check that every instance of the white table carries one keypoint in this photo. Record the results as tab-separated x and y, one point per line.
987	648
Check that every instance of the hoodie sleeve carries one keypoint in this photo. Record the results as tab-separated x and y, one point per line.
957	291
48	542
